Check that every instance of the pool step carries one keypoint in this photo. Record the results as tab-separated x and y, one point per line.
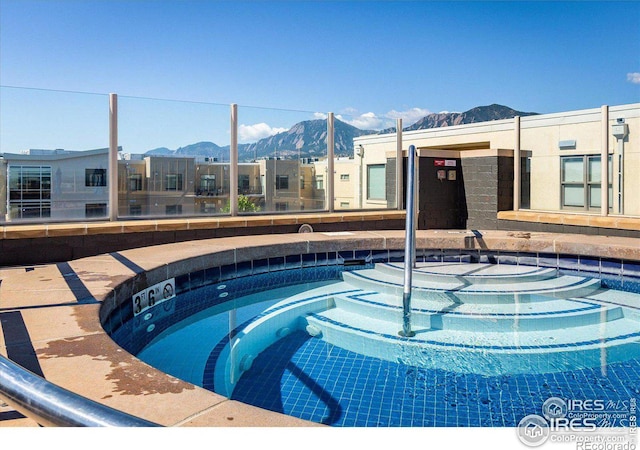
475	273
486	352
500	317
455	290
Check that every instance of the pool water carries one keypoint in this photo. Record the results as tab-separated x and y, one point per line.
310	379
492	343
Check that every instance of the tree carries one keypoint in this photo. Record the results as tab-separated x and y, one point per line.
244	205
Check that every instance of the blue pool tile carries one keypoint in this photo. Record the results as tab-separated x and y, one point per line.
489	257
182	284
244	269
363	254
293	262
354	390
212	275
590	265
508	258
322	259
344	389
451	255
345	256
396	255
260	266
631	269
569	262
228	272
527	259
308	260
379	256
332	259
611	266
546	260
197	279
276	264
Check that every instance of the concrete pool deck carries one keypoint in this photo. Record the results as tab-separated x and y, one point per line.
50	314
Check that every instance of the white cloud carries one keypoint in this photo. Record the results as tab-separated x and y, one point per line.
319	115
409	117
366	121
372	121
250	133
633	77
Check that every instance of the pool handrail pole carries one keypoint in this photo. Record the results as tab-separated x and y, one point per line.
409	244
52	405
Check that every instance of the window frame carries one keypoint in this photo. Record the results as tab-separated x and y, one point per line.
95	177
375	176
589	180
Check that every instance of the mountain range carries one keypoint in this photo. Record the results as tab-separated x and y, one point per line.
307	139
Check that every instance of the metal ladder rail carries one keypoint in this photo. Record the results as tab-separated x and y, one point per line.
52	405
409	245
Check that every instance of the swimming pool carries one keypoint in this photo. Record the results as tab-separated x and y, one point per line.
307	352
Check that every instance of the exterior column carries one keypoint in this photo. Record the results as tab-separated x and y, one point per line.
516	164
330	163
399	165
604	162
233	162
113	157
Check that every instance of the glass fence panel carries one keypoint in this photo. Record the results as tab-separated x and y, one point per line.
282	160
365	175
53	155
173	159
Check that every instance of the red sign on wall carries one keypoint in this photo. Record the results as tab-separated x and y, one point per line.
444	162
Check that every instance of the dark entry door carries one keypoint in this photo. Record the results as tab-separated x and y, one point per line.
441	196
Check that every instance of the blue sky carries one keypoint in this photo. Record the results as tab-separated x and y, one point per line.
368	62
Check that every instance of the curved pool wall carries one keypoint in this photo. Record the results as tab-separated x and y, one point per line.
220	285
60	309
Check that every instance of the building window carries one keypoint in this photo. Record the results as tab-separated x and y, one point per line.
581	177
301	181
281	206
135	182
376	179
29	192
171	210
344	177
95	177
244	184
207	208
282	182
319	182
344	204
173	182
207	184
135	210
95	210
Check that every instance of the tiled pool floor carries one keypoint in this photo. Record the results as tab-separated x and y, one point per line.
307	378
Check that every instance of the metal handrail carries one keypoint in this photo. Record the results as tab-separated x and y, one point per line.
409	244
52	405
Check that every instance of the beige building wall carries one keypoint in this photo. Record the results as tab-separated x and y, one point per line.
542	135
3	188
347	181
631	149
540	138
